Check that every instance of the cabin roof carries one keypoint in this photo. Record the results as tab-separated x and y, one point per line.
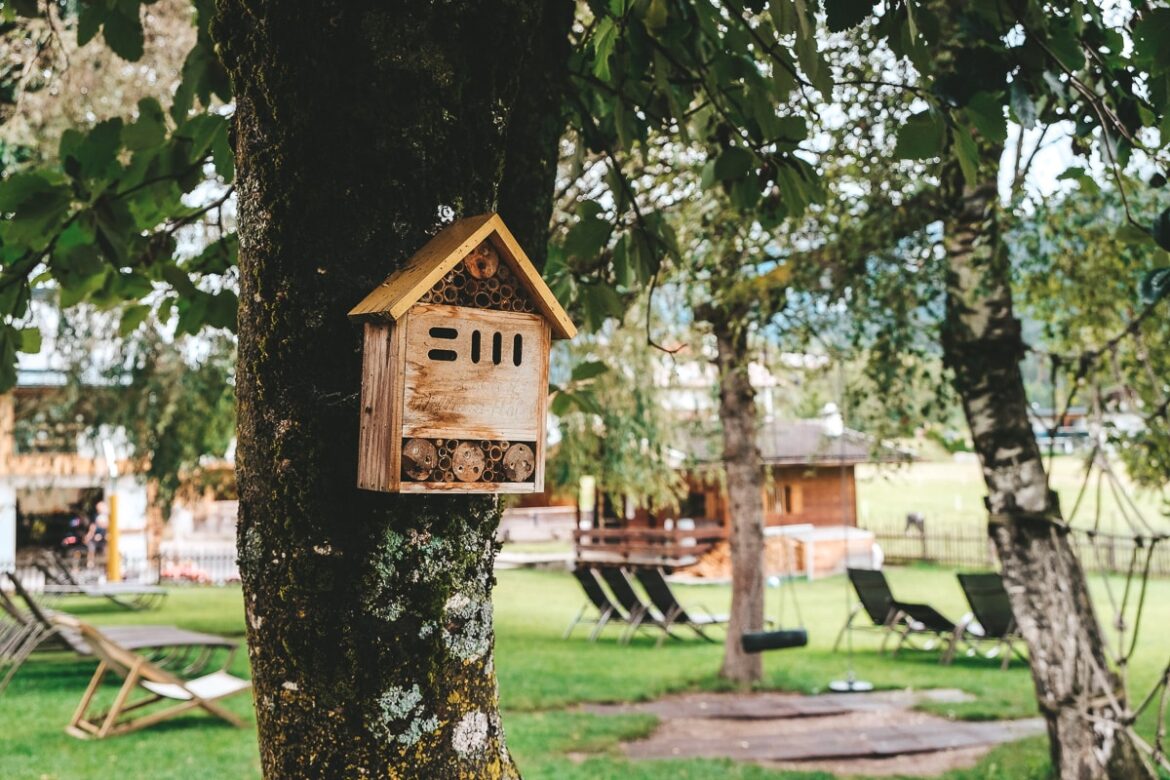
800	443
403	288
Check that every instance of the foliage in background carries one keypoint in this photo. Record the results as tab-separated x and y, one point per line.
612	422
1080	279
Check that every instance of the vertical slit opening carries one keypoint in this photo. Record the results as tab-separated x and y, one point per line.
497	348
517	349
475	346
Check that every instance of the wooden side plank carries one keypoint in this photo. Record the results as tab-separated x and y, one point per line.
374	431
542	385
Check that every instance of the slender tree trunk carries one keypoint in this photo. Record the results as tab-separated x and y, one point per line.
361	128
741	462
1081	699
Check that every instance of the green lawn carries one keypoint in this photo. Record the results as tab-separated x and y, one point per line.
541	677
950	495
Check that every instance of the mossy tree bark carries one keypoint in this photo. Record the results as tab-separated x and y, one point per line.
361	128
1082	700
744	470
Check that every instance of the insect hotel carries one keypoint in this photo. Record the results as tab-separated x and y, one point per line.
455	367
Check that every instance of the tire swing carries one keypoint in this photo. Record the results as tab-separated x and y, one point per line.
779	638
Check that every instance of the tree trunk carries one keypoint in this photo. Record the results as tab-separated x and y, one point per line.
1081	698
361	128
741	462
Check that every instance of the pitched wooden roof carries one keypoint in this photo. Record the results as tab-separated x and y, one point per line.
403	288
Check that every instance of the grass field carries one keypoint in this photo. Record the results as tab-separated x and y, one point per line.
541	678
950	495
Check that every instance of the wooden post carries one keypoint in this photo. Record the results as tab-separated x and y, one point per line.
113	558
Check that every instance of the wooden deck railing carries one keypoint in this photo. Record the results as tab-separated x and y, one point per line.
645	544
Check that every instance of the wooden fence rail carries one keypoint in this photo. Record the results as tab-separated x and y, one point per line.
966	548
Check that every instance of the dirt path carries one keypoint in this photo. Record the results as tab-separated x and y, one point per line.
875	733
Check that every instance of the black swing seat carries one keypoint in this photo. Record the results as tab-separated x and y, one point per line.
782	639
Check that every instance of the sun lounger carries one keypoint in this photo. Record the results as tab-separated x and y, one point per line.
59	580
142	676
639	613
169	646
597	599
654	582
991	619
893	618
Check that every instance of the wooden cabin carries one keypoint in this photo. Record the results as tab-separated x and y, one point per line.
808	477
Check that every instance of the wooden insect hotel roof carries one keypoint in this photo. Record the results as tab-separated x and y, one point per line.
406	286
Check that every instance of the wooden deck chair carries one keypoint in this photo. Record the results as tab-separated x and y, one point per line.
140	675
639	613
165	645
19	636
596	598
59	580
654	582
991	619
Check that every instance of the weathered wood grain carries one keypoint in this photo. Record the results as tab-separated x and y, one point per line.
392	299
462	399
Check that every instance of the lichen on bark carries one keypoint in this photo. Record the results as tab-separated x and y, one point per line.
360	129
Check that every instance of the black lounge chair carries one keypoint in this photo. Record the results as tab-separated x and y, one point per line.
875	599
892	617
607	611
639	613
991	619
654	582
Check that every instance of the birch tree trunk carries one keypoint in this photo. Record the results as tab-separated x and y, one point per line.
361	128
1081	699
744	470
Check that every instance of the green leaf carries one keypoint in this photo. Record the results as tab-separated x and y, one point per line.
656	15
30	340
921	137
1086	182
707	179
132	317
733	163
844	14
1155	285
123	32
1150	36
604	40
93	155
1065	43
985	110
89	22
149	130
1022	106
587	238
1161	230
20	187
967	153
1129	233
223	310
588	370
8	339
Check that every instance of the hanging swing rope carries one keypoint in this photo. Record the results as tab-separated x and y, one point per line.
1129	606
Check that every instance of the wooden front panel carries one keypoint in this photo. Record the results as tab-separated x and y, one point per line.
458	384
